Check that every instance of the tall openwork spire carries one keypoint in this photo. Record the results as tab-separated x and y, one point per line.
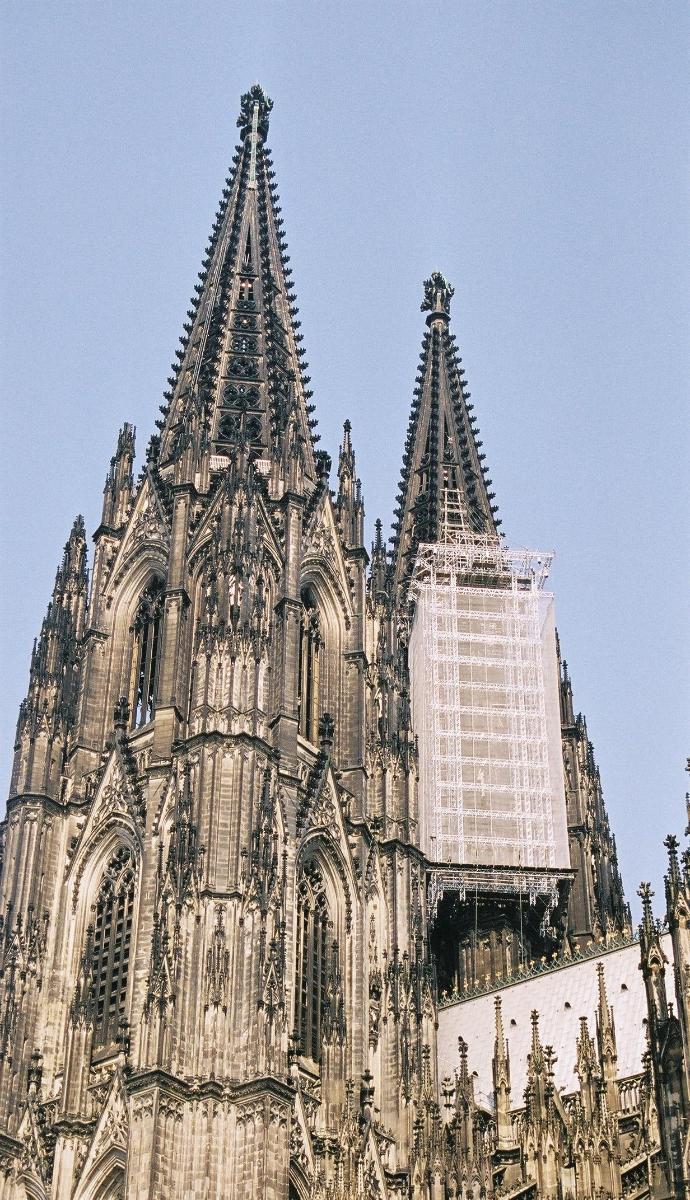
443	476
239	380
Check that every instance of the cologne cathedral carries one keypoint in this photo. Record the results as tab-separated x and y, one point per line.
308	890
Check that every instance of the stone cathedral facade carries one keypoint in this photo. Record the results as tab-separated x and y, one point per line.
221	967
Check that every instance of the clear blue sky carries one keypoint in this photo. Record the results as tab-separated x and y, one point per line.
536	152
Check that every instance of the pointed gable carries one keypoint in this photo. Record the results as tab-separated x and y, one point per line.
324	552
106	1155
117	813
147	532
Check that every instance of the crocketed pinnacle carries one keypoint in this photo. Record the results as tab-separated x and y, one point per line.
647	927
606	1031
500	1052
443	482
52	692
349	505
239	379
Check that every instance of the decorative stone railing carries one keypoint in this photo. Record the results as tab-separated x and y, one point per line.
541	966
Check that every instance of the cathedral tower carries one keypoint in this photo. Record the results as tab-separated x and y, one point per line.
213	906
484	685
265	803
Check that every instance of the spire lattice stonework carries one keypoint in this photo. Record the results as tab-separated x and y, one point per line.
240	377
443	462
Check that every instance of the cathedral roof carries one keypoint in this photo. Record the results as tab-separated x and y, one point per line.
562	996
443	477
239	374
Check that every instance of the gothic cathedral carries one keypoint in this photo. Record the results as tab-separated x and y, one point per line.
227	941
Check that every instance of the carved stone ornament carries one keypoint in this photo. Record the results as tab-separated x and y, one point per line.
147	527
437	294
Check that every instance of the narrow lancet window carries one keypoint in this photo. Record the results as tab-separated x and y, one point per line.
314	950
112	936
147	630
310	645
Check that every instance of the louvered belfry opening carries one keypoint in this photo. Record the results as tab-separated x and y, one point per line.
147	629
314	939
112	936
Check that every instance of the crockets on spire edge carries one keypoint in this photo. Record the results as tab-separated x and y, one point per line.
255	95
438	294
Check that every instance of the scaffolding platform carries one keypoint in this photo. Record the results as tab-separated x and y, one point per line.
537	886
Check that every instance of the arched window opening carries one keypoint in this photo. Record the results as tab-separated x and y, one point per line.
112	937
147	641
316	952
310	646
113	1188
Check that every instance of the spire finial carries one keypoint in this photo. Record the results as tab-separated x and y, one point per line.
73	565
645	893
378	526
347	457
437	297
601	983
500	1042
671	844
254	101
463	1049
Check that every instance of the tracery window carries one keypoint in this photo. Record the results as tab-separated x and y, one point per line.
315	952
147	642
112	937
246	297
310	646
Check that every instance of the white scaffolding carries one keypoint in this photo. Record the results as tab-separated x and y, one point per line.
485	705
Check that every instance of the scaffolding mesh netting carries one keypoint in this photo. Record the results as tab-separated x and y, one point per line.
485	706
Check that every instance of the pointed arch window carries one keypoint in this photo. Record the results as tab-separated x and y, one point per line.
246	296
310	649
112	939
147	644
316	952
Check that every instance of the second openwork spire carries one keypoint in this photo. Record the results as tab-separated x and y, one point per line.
443	483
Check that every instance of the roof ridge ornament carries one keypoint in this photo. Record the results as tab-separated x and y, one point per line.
254	101
437	297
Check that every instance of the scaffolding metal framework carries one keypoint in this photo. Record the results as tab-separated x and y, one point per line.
533	885
485	706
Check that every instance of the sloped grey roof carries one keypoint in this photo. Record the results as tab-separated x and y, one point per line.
561	997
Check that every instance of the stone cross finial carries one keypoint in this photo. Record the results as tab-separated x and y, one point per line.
254	98
437	296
